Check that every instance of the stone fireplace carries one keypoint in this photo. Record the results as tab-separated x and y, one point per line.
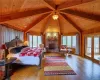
52	42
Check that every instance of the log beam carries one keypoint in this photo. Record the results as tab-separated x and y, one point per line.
23	14
83	14
69	3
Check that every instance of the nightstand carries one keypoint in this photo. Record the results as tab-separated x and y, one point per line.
7	63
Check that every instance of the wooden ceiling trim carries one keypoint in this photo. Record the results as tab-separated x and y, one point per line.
83	14
70	34
23	14
92	31
11	26
71	22
34	33
69	3
35	22
50	4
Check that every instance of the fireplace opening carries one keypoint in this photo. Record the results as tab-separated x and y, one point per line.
52	46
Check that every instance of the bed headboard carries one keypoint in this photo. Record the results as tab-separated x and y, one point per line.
13	43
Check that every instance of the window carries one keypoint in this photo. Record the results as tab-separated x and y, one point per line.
70	41
30	40
39	40
35	41
64	41
89	46
96	45
93	47
74	41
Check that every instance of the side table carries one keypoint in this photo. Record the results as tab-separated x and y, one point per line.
7	63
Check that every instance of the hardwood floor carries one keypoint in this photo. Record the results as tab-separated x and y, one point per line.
85	69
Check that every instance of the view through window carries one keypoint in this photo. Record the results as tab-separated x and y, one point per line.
88	46
69	41
97	48
35	41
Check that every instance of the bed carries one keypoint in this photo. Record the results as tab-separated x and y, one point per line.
24	54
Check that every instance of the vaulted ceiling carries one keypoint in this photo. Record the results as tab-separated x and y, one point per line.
35	16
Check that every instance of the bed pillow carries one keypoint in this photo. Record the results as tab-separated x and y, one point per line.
63	46
16	50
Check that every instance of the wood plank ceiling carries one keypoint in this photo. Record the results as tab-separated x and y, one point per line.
35	16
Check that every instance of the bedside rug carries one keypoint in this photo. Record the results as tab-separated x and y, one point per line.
57	66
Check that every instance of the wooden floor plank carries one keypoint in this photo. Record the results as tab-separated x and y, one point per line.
84	68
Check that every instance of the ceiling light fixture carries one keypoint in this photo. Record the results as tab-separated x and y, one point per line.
55	16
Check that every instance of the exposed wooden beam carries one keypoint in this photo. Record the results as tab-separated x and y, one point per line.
23	14
71	22
84	14
50	4
35	22
92	31
25	36
80	44
69	3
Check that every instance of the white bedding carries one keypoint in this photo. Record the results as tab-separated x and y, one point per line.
26	60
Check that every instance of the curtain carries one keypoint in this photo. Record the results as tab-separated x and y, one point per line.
8	34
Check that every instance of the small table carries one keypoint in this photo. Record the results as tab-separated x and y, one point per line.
7	64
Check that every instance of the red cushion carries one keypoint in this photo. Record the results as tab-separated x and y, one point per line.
63	46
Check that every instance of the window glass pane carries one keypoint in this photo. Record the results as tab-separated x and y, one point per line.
96	45
68	41
89	46
64	42
34	41
39	40
30	40
74	41
96	48
89	41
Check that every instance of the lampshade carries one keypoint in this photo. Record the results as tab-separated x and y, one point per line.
55	16
26	43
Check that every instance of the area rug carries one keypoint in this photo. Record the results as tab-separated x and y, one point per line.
57	66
